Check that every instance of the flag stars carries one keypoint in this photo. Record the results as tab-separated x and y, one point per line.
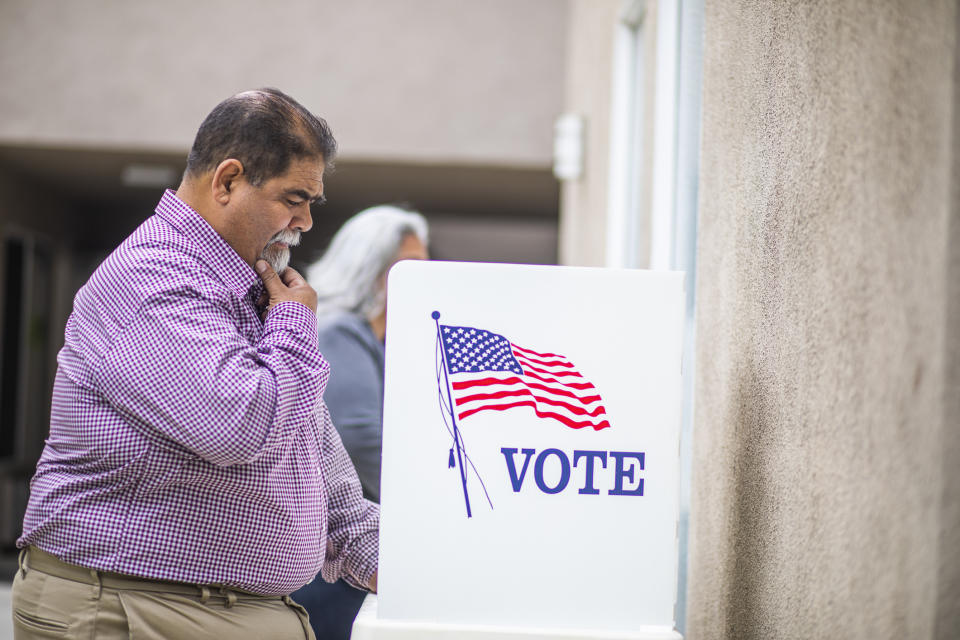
471	350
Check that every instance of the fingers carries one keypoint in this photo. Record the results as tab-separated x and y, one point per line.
292	278
270	280
289	286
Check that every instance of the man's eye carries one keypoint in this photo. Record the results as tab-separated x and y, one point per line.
293	203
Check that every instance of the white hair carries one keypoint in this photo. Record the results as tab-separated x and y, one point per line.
348	276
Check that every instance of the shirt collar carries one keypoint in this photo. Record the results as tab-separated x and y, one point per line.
215	251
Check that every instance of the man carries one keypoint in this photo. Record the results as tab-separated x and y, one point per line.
192	477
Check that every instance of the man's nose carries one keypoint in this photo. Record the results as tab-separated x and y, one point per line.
303	221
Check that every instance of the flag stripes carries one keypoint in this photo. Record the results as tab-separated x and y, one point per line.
489	373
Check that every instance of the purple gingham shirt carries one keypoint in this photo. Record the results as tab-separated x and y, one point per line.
188	439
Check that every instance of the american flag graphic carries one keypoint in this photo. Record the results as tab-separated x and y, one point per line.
490	373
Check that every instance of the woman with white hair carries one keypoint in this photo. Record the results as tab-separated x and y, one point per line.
351	284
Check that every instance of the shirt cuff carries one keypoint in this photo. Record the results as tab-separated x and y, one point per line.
358	570
285	314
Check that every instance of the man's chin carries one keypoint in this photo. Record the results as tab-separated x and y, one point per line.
277	258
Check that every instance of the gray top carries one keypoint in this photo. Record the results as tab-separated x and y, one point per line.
354	393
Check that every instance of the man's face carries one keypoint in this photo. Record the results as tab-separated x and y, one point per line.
271	217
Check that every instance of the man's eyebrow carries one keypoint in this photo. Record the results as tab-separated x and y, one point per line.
305	195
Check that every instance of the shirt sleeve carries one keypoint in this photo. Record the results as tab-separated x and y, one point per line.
353	531
182	368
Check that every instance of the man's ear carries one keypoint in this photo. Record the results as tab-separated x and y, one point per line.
225	179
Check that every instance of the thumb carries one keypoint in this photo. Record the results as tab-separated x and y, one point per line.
270	280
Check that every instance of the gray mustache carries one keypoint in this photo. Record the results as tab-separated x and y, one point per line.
286	236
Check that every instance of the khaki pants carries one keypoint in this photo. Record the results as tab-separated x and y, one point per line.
53	599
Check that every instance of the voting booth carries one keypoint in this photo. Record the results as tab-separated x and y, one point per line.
530	476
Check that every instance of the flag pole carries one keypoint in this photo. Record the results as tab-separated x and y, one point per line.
456	431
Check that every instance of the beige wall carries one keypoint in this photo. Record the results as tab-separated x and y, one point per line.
583	202
419	81
591	77
827	421
948	579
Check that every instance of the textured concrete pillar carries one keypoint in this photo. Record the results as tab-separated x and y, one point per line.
827	421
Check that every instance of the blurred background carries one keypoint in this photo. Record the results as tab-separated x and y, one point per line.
526	131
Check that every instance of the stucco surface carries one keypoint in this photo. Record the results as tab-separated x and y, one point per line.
825	467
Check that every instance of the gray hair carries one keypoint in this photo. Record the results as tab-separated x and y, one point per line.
348	276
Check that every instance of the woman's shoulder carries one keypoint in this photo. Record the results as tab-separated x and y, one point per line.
338	321
341	325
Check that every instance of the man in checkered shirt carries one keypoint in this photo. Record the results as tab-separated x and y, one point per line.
192	477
